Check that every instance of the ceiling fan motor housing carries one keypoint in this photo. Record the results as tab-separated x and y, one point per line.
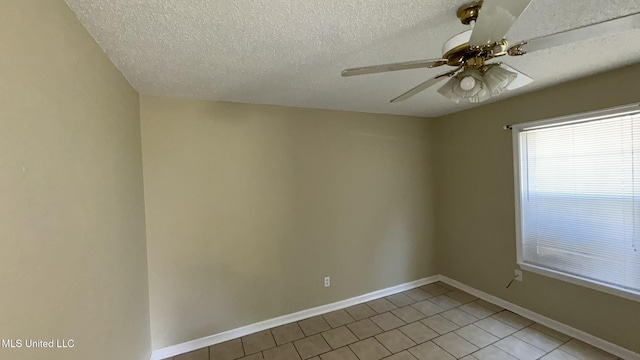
456	49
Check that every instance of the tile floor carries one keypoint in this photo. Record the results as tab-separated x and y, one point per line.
432	322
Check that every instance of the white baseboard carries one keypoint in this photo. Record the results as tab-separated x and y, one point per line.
550	323
192	345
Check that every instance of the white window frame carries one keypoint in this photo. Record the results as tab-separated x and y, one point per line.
559	275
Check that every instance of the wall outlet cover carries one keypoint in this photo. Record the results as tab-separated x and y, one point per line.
518	275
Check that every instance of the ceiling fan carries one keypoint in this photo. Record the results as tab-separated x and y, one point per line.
473	78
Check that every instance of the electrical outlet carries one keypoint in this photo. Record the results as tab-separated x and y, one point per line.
327	281
518	275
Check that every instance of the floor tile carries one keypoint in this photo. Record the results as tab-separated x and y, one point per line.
378	329
417	294
287	333
311	346
430	351
474	308
364	328
434	289
476	336
445	302
419	332
446	286
440	324
201	354
257	342
514	320
256	356
558	355
400	300
403	355
555	334
427	307
538	339
408	314
228	350
313	325
495	327
455	345
339	337
369	349
387	321
396	323
381	305
361	311
459	317
338	318
461	296
283	352
395	341
341	354
519	349
585	351
489	305
492	353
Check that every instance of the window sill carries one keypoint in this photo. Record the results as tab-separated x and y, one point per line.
577	280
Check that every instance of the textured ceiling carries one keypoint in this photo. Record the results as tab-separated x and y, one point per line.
291	53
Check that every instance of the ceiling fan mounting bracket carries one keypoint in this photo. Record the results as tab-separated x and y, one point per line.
517	50
469	12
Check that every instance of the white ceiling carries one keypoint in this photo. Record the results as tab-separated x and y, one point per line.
291	53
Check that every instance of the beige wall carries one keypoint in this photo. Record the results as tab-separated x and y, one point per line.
249	207
73	261
475	205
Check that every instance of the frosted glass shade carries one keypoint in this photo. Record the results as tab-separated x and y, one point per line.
492	83
453	90
497	79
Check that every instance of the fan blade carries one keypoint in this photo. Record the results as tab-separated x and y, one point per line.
495	19
610	27
425	85
417	64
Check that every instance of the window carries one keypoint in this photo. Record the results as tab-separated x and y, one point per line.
578	199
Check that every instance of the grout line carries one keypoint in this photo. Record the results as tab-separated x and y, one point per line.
354	353
345	346
443	349
244	352
526	342
376	339
559	346
295	347
272	338
351	351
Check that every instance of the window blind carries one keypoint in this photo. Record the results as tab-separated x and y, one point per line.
580	199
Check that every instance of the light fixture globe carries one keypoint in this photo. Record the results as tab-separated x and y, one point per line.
468	86
472	79
467	83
